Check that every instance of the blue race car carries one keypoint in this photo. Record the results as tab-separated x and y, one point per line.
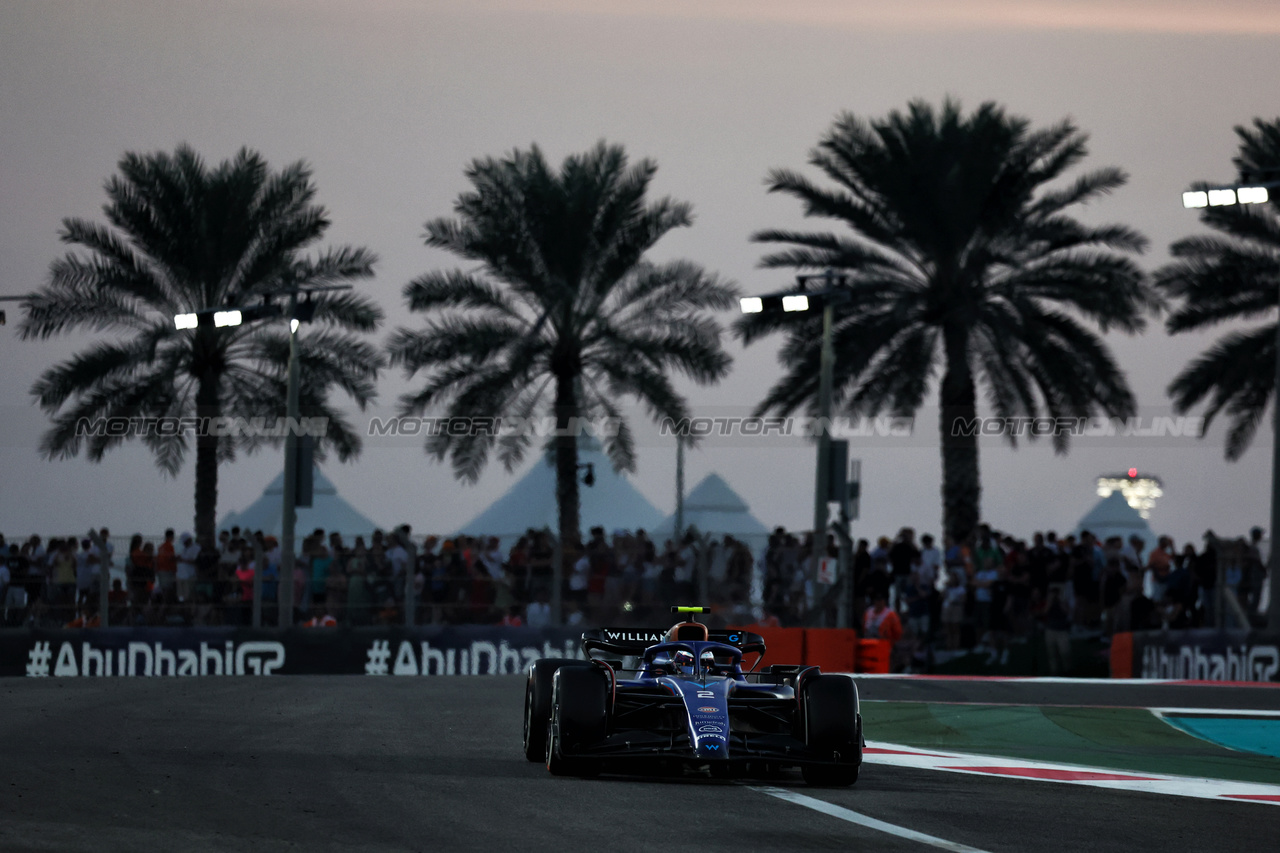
687	702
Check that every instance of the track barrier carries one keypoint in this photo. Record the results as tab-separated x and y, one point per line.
1199	654
143	652
833	649
428	650
785	645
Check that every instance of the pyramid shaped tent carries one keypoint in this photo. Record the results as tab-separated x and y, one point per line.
1112	516
328	511
713	507
612	502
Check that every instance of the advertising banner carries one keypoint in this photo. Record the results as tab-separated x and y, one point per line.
183	652
1206	655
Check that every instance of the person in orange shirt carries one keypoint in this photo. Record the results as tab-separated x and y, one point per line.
320	619
87	618
166	563
881	622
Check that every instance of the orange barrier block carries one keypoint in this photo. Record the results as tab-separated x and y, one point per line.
785	645
830	648
873	656
1122	655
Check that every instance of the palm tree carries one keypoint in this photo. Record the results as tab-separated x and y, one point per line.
563	305
183	237
1228	276
957	257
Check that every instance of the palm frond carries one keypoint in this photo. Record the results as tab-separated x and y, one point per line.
564	291
181	236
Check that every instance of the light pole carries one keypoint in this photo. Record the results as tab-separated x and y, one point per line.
1255	194
834	291
678	532
297	314
289	513
557	553
21	298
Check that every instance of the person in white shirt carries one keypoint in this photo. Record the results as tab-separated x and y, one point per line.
579	579
103	546
398	557
86	568
538	613
931	562
953	597
185	576
491	559
104	550
37	554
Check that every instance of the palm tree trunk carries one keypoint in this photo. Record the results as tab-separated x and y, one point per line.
961	486
567	460
207	406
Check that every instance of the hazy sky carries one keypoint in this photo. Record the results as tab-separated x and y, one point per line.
390	100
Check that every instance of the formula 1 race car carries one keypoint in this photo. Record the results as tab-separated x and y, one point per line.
688	703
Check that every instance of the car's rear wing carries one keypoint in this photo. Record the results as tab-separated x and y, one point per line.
633	641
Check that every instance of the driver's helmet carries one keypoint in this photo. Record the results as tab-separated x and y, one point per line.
682	659
708	660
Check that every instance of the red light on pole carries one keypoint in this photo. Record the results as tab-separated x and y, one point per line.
1133	472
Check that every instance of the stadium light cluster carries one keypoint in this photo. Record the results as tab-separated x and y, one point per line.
1224	196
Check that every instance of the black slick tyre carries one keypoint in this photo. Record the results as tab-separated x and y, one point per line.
579	718
832	728
537	707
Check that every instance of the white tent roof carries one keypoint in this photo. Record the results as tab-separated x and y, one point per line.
1112	516
328	511
612	503
714	507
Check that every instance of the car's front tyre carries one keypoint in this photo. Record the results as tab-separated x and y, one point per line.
833	726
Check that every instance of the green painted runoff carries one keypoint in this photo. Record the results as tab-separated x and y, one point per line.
1130	739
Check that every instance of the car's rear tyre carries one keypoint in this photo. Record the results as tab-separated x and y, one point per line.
833	726
537	704
579	718
537	707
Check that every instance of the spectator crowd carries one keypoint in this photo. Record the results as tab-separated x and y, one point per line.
934	599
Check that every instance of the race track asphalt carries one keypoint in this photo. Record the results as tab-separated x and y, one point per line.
351	763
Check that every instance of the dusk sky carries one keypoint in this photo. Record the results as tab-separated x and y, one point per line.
389	100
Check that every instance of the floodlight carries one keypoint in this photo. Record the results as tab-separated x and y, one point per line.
752	304
186	321
227	318
1197	198
1252	195
1219	198
797	302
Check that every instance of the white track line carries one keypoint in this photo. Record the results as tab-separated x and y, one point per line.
1071	774
1052	679
862	820
1212	712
